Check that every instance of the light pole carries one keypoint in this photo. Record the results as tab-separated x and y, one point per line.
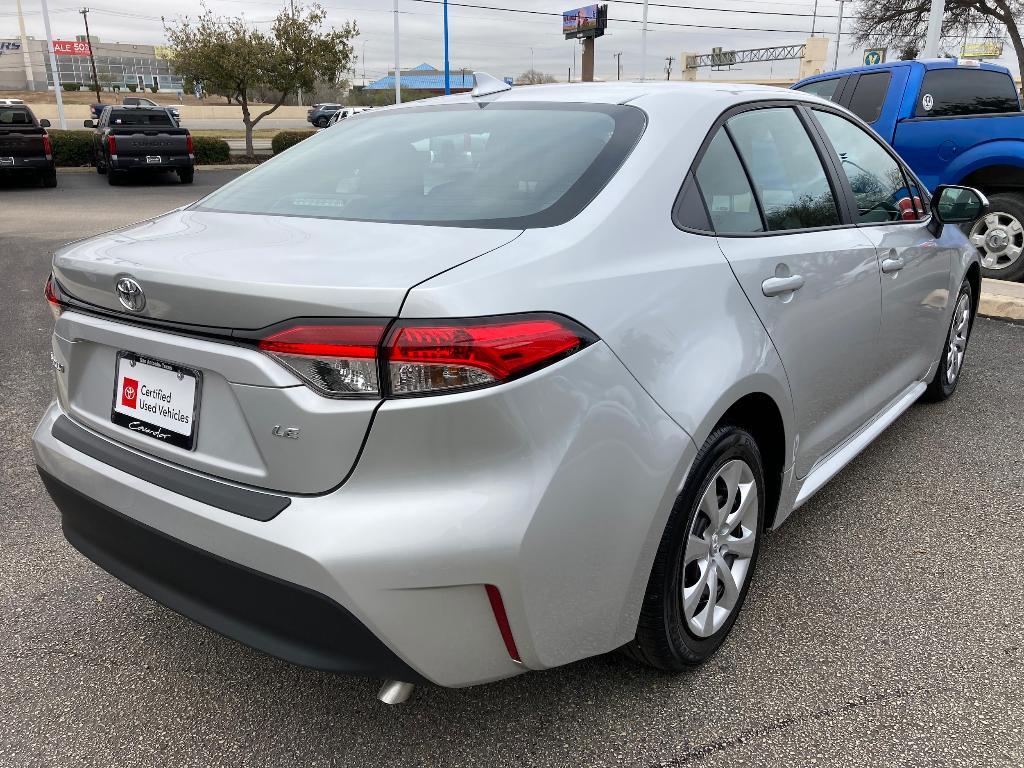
53	67
533	71
643	46
839	34
398	68
447	71
931	41
363	59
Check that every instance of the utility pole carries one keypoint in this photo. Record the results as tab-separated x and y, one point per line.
643	46
364	63
618	65
814	18
839	34
447	71
668	67
53	67
298	95
532	70
398	67
26	57
92	58
931	41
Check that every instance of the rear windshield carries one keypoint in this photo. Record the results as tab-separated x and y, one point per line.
15	116
957	91
500	165
136	117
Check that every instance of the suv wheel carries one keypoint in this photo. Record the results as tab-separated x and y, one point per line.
706	559
999	238
943	385
321	122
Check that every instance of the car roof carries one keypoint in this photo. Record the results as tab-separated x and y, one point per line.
890	65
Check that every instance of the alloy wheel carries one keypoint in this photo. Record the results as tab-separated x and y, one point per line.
719	548
959	331
999	237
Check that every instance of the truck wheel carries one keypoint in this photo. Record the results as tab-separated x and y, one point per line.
186	175
113	177
999	237
49	177
101	169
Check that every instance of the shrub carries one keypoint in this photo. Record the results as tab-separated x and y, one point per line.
71	86
286	139
210	150
133	87
71	148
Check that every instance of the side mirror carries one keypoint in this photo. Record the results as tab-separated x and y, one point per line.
88	124
44	123
956	205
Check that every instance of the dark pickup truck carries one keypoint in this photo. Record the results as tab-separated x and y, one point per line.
134	101
136	139
25	145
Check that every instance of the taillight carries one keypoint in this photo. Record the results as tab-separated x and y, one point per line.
188	143
428	357
47	146
112	145
421	357
335	360
50	292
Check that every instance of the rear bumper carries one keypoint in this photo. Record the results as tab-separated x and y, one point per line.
286	620
28	164
555	488
133	163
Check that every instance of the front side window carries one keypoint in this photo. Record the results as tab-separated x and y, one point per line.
784	166
869	96
499	165
826	89
877	180
955	91
727	194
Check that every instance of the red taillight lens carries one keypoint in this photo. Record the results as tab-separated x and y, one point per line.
336	360
47	146
501	617
435	357
188	143
112	145
50	292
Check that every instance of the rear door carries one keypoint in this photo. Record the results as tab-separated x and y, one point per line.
812	279
890	210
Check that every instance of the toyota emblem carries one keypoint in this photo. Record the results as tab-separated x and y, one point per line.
130	294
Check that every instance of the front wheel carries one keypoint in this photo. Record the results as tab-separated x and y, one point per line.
951	365
999	238
706	558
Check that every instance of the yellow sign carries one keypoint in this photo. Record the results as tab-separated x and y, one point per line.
986	49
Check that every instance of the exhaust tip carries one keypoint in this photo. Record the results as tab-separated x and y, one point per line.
395	692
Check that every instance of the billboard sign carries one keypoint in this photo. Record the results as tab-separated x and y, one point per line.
71	48
984	49
588	21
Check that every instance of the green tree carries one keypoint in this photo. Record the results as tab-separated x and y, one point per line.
231	57
903	24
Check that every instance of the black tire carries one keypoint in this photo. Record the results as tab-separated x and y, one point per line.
101	169
113	177
186	175
663	638
321	122
1006	204
941	387
48	178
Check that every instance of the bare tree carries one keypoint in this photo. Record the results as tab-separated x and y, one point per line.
533	77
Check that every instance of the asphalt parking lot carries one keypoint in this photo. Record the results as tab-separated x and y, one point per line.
883	627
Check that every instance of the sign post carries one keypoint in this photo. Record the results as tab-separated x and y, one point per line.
53	67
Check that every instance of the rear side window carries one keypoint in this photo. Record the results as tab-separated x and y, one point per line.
869	95
878	183
826	89
726	191
784	166
14	116
950	92
139	117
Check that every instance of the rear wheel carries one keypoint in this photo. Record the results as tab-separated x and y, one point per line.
321	122
999	238
943	385
101	169
48	178
113	177
186	175
706	559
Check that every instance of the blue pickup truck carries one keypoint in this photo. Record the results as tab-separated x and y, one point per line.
954	122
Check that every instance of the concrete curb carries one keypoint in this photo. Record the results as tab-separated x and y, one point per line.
1002	300
225	167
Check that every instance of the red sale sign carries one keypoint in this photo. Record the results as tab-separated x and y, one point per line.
71	48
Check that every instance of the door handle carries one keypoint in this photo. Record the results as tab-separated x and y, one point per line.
776	286
893	264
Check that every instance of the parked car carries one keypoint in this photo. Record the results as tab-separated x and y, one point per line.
11	102
25	145
140	139
536	409
137	101
954	122
341	114
320	114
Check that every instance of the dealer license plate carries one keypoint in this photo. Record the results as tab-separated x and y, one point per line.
157	399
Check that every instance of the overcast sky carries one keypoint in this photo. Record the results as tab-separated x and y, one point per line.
501	43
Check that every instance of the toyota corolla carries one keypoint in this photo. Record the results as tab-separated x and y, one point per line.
488	384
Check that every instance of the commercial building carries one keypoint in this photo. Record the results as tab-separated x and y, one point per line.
117	65
425	78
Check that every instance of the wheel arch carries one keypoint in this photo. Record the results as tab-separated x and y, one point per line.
973	277
990	174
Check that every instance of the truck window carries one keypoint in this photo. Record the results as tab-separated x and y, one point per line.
869	95
133	117
949	92
15	116
826	89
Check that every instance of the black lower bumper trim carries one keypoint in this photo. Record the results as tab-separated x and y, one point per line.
283	619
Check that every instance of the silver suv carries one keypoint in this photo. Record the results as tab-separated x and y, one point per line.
492	383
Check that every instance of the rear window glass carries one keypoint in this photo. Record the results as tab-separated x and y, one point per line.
869	95
826	89
14	116
506	166
133	117
950	92
727	194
